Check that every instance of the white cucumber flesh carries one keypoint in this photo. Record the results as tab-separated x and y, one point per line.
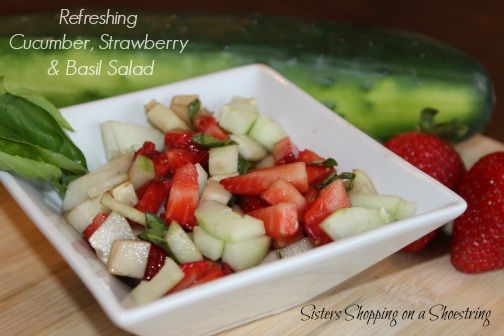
267	131
180	244
246	253
210	246
223	160
222	222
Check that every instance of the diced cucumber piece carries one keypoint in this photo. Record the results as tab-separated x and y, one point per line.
202	178
100	188
181	245
82	215
362	184
125	193
128	258
222	222
216	192
296	248
246	253
142	171
210	246
347	222
123	209
267	131
267	161
249	148
167	277
223	160
120	138
164	118
76	190
180	105
395	205
114	227
238	116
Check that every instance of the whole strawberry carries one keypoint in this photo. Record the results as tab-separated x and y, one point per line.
429	149
478	234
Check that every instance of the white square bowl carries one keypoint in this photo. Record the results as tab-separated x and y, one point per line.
269	288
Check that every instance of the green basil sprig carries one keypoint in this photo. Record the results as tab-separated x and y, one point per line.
33	139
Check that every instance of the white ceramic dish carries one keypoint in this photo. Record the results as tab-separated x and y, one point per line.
269	288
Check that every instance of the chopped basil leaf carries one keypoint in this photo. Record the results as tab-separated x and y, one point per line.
330	162
244	166
335	176
209	141
156	231
193	108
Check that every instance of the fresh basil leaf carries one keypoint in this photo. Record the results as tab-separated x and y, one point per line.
34	125
244	166
335	176
32	170
42	102
209	141
193	108
156	231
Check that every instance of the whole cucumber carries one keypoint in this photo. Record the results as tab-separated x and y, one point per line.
376	78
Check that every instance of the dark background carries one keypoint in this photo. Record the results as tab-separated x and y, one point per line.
475	27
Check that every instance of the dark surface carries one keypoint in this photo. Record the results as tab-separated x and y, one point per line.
476	28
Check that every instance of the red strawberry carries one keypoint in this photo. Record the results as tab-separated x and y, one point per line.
206	123
251	202
280	220
277	243
431	154
95	224
155	196
148	149
182	139
478	234
317	171
155	261
428	150
330	198
283	191
196	273
184	197
256	181
285	151
177	157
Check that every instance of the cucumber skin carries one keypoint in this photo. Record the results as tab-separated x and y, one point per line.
378	79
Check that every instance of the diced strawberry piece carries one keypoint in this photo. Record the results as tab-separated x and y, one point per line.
277	243
95	224
162	165
214	272
330	198
285	151
155	196
226	269
252	202
148	149
155	261
182	139
280	220
184	197
308	156
206	123
197	272
282	191
256	181
177	157
317	173
311	195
